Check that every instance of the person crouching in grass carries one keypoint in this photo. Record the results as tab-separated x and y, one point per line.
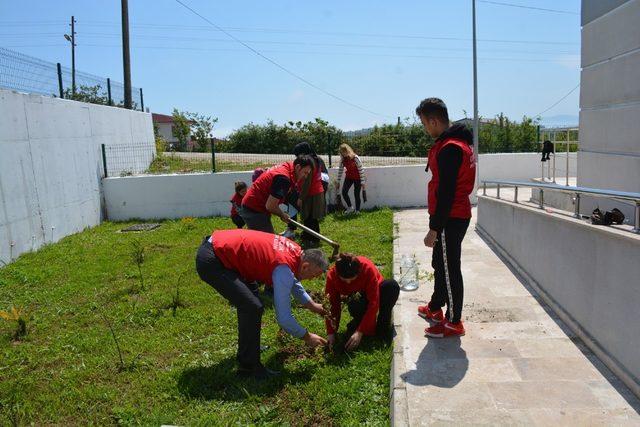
236	202
371	299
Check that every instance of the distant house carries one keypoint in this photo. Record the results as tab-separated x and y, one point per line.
164	124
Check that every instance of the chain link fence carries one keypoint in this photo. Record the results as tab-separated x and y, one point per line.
136	159
24	73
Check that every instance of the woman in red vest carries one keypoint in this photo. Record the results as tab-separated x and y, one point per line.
269	190
371	299
231	261
453	171
354	177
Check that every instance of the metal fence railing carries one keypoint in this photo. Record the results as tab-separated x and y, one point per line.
577	192
135	159
28	74
129	159
561	163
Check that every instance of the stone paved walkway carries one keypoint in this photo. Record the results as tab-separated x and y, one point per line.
517	364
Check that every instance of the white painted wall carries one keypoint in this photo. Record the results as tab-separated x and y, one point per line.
610	97
590	272
175	196
51	165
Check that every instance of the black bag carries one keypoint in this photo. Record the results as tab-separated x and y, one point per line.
598	218
616	216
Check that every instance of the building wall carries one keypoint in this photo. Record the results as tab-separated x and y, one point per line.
588	274
165	131
51	165
610	96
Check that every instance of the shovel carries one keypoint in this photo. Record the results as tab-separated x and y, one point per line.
336	246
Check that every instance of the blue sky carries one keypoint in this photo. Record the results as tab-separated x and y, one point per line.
382	56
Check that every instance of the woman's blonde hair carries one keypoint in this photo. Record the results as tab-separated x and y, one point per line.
346	151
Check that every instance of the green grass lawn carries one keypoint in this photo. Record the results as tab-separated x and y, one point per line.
178	369
170	164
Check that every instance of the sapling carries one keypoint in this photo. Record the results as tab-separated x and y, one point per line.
137	254
176	301
115	339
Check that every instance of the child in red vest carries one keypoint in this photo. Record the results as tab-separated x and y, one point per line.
236	202
453	171
371	303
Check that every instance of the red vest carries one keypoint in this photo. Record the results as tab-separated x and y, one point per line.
254	254
461	207
259	192
316	181
351	169
367	281
235	200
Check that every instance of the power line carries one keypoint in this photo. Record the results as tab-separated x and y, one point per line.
277	42
542	9
283	68
309	32
334	53
558	101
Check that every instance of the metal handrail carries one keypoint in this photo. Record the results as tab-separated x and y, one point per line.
577	191
553	161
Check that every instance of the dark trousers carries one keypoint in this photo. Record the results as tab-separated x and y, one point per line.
256	220
238	221
454	233
313	224
357	186
389	291
242	296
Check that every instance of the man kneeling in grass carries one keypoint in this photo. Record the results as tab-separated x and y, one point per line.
370	299
231	261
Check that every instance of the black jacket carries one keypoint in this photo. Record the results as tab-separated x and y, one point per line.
449	161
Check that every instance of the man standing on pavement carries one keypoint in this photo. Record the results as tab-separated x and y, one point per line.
231	260
452	163
269	190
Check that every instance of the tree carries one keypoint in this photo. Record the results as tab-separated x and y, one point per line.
201	128
181	129
92	94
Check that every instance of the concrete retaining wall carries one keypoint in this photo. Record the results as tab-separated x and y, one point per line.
51	165
589	274
175	196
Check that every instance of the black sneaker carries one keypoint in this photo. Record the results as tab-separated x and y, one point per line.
259	373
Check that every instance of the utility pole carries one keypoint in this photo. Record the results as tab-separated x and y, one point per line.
476	124
126	59
72	39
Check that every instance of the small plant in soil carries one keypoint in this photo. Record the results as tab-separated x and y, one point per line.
176	299
122	366
137	255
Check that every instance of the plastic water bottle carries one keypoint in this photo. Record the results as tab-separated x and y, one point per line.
409	273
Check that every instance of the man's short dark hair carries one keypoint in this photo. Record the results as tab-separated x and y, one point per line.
433	108
303	160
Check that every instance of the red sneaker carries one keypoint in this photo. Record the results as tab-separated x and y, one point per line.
435	316
445	329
